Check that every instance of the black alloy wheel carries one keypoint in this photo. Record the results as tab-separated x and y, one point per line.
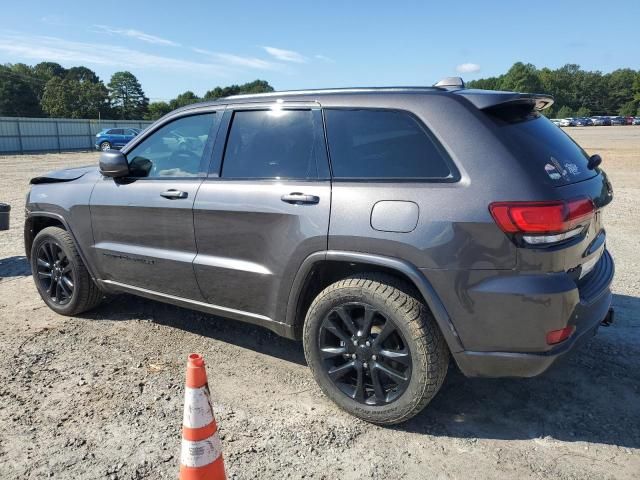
55	273
364	354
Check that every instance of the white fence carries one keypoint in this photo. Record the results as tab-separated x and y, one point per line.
30	135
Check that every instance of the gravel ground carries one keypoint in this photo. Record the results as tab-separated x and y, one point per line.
101	396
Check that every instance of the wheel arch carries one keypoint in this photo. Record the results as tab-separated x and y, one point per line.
37	221
323	268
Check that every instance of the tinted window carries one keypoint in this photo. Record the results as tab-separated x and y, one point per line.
174	150
273	144
129	131
116	131
545	149
382	144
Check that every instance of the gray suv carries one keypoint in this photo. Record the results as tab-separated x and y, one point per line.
389	229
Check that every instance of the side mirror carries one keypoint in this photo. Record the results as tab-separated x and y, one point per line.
114	164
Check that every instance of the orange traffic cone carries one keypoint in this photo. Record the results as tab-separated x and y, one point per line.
201	457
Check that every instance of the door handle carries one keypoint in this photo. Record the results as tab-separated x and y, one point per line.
174	194
298	198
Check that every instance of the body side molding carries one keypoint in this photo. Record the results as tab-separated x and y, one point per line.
254	318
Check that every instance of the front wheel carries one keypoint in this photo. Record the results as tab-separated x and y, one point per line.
60	276
105	146
374	348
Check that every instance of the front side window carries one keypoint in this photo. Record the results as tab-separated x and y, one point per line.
273	144
383	144
174	150
115	131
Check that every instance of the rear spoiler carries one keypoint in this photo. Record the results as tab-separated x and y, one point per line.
484	99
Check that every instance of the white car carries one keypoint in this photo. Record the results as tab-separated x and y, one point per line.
567	122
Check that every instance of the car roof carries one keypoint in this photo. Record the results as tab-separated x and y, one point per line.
480	98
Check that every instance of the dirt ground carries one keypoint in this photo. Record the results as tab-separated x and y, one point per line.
101	396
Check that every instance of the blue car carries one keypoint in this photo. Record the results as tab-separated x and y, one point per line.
109	138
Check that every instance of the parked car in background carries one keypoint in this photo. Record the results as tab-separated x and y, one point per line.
628	120
598	121
555	121
382	263
109	138
583	122
567	122
636	121
618	121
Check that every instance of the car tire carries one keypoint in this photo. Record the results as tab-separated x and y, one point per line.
375	299
59	273
105	146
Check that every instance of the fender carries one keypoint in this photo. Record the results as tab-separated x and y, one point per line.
61	219
416	277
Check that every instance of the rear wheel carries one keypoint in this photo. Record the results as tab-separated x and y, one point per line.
105	146
374	348
60	276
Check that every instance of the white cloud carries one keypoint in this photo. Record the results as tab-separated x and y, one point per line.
468	68
285	55
137	34
324	58
238	60
72	53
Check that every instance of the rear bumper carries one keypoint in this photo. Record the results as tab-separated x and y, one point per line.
592	308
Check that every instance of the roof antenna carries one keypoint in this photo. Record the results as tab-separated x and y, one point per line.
450	83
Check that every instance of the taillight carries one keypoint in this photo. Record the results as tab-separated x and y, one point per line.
543	222
557	336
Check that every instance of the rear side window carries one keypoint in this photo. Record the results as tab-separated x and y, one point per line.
544	148
383	144
273	144
115	131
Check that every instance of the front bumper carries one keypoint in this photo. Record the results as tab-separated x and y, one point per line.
589	312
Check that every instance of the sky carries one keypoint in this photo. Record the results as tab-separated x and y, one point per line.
174	46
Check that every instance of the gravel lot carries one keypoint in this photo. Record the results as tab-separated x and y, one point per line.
101	396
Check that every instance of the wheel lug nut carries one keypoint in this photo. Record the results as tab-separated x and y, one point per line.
365	365
374	358
355	342
353	355
368	344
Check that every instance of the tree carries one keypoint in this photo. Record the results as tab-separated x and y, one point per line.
17	97
629	108
82	74
127	98
583	112
521	78
257	86
620	88
157	110
565	112
70	98
186	98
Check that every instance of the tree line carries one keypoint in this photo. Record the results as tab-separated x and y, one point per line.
50	90
577	92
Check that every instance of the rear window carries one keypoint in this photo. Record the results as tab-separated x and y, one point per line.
547	150
383	144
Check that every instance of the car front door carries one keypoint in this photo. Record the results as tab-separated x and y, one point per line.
143	224
263	209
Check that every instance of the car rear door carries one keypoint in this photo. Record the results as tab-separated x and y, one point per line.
117	137
263	208
143	224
